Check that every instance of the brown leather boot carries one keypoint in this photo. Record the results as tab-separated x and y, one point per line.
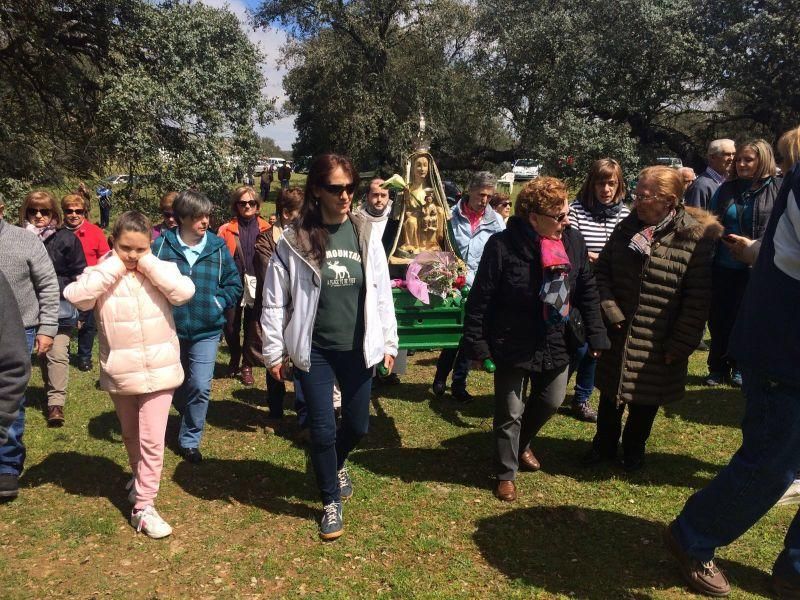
247	375
506	490
55	416
528	462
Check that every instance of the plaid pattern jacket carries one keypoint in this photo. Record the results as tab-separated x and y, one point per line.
218	286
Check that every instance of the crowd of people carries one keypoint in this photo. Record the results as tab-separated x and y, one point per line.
614	286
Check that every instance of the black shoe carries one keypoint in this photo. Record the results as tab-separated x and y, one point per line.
633	463
593	457
84	364
191	455
439	388
9	486
462	397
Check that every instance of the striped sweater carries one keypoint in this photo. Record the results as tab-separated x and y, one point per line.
594	232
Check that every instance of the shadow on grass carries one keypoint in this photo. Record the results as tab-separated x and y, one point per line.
482	407
235	416
254	395
82	475
383	432
709	406
35	397
251	482
464	460
586	553
561	456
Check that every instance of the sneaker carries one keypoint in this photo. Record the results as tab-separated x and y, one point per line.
714	379
736	379
345	483
9	486
331	526
462	397
583	412
790	496
702	577
150	522
131	487
439	388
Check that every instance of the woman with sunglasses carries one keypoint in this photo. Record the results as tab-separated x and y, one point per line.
39	213
518	315
597	210
501	203
654	277
94	244
167	215
328	313
239	235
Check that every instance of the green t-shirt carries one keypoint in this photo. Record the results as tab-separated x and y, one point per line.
340	315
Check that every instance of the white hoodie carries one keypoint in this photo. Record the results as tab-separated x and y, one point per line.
291	296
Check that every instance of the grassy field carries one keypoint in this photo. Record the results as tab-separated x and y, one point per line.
422	524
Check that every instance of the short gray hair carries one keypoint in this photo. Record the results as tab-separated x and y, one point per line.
483	179
715	147
191	205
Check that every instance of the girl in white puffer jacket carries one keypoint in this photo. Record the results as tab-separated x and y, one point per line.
133	293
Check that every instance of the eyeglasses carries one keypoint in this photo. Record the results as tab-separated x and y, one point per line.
504	204
641	198
559	218
74	211
247	203
32	212
167	214
336	189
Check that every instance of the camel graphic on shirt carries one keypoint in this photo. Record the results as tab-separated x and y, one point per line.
340	270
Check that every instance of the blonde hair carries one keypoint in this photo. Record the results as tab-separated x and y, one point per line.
668	182
540	195
789	148
37	195
75	199
766	159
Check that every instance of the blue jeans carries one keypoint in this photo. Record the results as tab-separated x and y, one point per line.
192	397
585	364
276	390
455	360
754	480
86	335
329	447
12	453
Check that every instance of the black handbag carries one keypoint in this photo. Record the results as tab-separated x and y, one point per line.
576	330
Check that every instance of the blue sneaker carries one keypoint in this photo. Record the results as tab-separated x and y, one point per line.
331	526
736	379
345	484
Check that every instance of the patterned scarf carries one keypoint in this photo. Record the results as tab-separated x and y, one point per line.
43	232
555	282
642	241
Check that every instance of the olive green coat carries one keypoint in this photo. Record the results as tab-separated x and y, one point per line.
662	302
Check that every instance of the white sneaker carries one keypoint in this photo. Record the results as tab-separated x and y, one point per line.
150	522
131	487
790	496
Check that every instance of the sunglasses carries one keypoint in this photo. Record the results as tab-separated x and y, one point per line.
32	212
504	204
559	218
247	203
74	211
167	214
337	189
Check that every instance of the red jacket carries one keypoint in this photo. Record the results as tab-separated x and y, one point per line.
93	241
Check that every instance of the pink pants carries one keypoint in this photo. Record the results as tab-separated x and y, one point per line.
143	418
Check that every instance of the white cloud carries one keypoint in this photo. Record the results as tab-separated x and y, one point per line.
270	42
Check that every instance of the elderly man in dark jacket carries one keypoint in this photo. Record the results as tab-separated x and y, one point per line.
521	314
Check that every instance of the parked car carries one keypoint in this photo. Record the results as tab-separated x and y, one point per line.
259	168
525	168
452	192
670	161
113	180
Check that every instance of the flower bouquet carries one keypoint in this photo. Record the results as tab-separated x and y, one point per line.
437	273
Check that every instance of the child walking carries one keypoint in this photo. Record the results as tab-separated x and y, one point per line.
132	293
